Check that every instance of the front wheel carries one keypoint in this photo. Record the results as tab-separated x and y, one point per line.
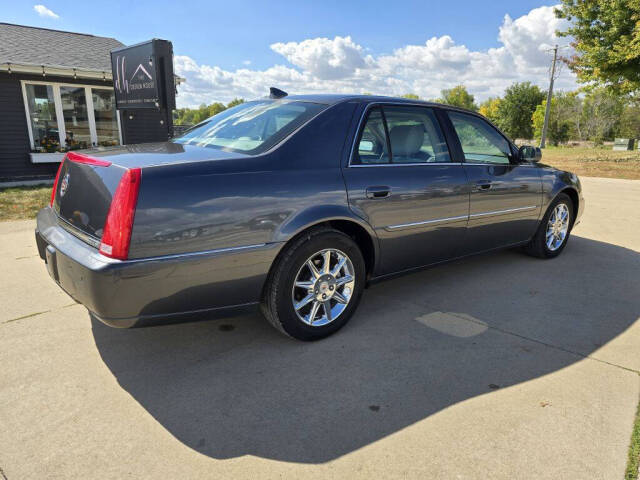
315	285
553	232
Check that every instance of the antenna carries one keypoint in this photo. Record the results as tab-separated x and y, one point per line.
277	93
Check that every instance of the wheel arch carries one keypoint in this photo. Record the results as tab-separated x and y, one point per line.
337	218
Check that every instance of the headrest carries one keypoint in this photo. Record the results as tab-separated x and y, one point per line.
406	140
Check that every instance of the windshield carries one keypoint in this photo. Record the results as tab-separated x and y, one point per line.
251	127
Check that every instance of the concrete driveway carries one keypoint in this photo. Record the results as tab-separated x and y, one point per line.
500	366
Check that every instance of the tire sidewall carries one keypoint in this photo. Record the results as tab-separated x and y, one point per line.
284	305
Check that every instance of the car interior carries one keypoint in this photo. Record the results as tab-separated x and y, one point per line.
413	136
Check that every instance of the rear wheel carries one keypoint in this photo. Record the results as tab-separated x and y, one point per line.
315	285
553	232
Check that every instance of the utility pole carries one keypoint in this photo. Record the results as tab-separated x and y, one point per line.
549	95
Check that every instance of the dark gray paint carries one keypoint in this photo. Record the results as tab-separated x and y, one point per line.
210	223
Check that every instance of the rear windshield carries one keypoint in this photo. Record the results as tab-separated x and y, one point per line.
252	127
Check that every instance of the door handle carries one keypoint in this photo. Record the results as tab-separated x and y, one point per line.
483	185
380	191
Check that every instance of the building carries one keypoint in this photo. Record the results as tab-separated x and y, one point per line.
56	94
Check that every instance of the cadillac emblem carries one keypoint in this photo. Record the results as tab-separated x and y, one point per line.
64	185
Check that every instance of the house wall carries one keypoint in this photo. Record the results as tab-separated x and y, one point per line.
15	162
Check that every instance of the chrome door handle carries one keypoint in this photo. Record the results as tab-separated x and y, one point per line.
483	185
381	191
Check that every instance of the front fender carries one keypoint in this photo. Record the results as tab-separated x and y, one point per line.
557	181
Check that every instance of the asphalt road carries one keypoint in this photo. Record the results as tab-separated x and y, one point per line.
500	366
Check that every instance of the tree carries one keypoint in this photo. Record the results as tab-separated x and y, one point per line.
629	121
234	102
569	111
601	110
190	116
489	108
606	37
517	107
459	97
558	128
411	96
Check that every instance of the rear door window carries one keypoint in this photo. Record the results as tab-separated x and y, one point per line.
415	135
373	145
397	134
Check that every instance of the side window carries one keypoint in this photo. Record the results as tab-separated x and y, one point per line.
415	135
481	143
373	147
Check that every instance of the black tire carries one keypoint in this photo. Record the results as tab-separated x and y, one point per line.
277	305
537	247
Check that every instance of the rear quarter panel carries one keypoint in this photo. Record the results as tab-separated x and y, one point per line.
245	201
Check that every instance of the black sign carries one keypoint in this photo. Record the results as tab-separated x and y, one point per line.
143	75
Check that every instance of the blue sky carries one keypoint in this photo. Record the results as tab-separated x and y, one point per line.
333	45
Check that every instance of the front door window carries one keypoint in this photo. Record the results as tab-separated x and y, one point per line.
481	143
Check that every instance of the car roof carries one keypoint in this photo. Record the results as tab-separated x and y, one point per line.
331	99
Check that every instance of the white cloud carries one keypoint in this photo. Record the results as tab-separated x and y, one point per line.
246	62
324	58
340	65
45	12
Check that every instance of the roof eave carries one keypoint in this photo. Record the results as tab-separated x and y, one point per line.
64	71
55	70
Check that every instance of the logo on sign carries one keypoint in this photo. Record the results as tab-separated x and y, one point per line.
64	185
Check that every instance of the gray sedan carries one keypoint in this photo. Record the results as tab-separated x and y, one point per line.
294	204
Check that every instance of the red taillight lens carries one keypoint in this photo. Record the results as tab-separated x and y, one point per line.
116	234
55	184
80	158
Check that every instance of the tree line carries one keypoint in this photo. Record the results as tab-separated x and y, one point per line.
598	114
193	116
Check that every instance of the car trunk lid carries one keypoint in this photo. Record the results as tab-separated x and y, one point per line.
83	193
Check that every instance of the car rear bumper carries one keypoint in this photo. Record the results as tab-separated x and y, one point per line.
153	290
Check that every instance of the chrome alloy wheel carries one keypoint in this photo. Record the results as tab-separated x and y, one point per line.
323	287
557	227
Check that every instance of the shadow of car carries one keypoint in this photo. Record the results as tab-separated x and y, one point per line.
418	345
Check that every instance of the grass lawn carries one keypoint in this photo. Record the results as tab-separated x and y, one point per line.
594	162
633	463
23	202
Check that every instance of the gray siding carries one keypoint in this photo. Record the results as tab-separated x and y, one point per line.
15	164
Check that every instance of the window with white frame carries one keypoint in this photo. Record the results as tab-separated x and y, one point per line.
63	117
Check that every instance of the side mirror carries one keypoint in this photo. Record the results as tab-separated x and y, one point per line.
527	153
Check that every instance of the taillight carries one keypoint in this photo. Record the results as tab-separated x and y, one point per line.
116	234
55	184
87	160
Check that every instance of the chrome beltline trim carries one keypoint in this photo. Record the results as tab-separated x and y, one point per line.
194	254
428	222
461	217
422	164
502	212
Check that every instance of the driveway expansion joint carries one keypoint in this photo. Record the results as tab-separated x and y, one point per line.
549	345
